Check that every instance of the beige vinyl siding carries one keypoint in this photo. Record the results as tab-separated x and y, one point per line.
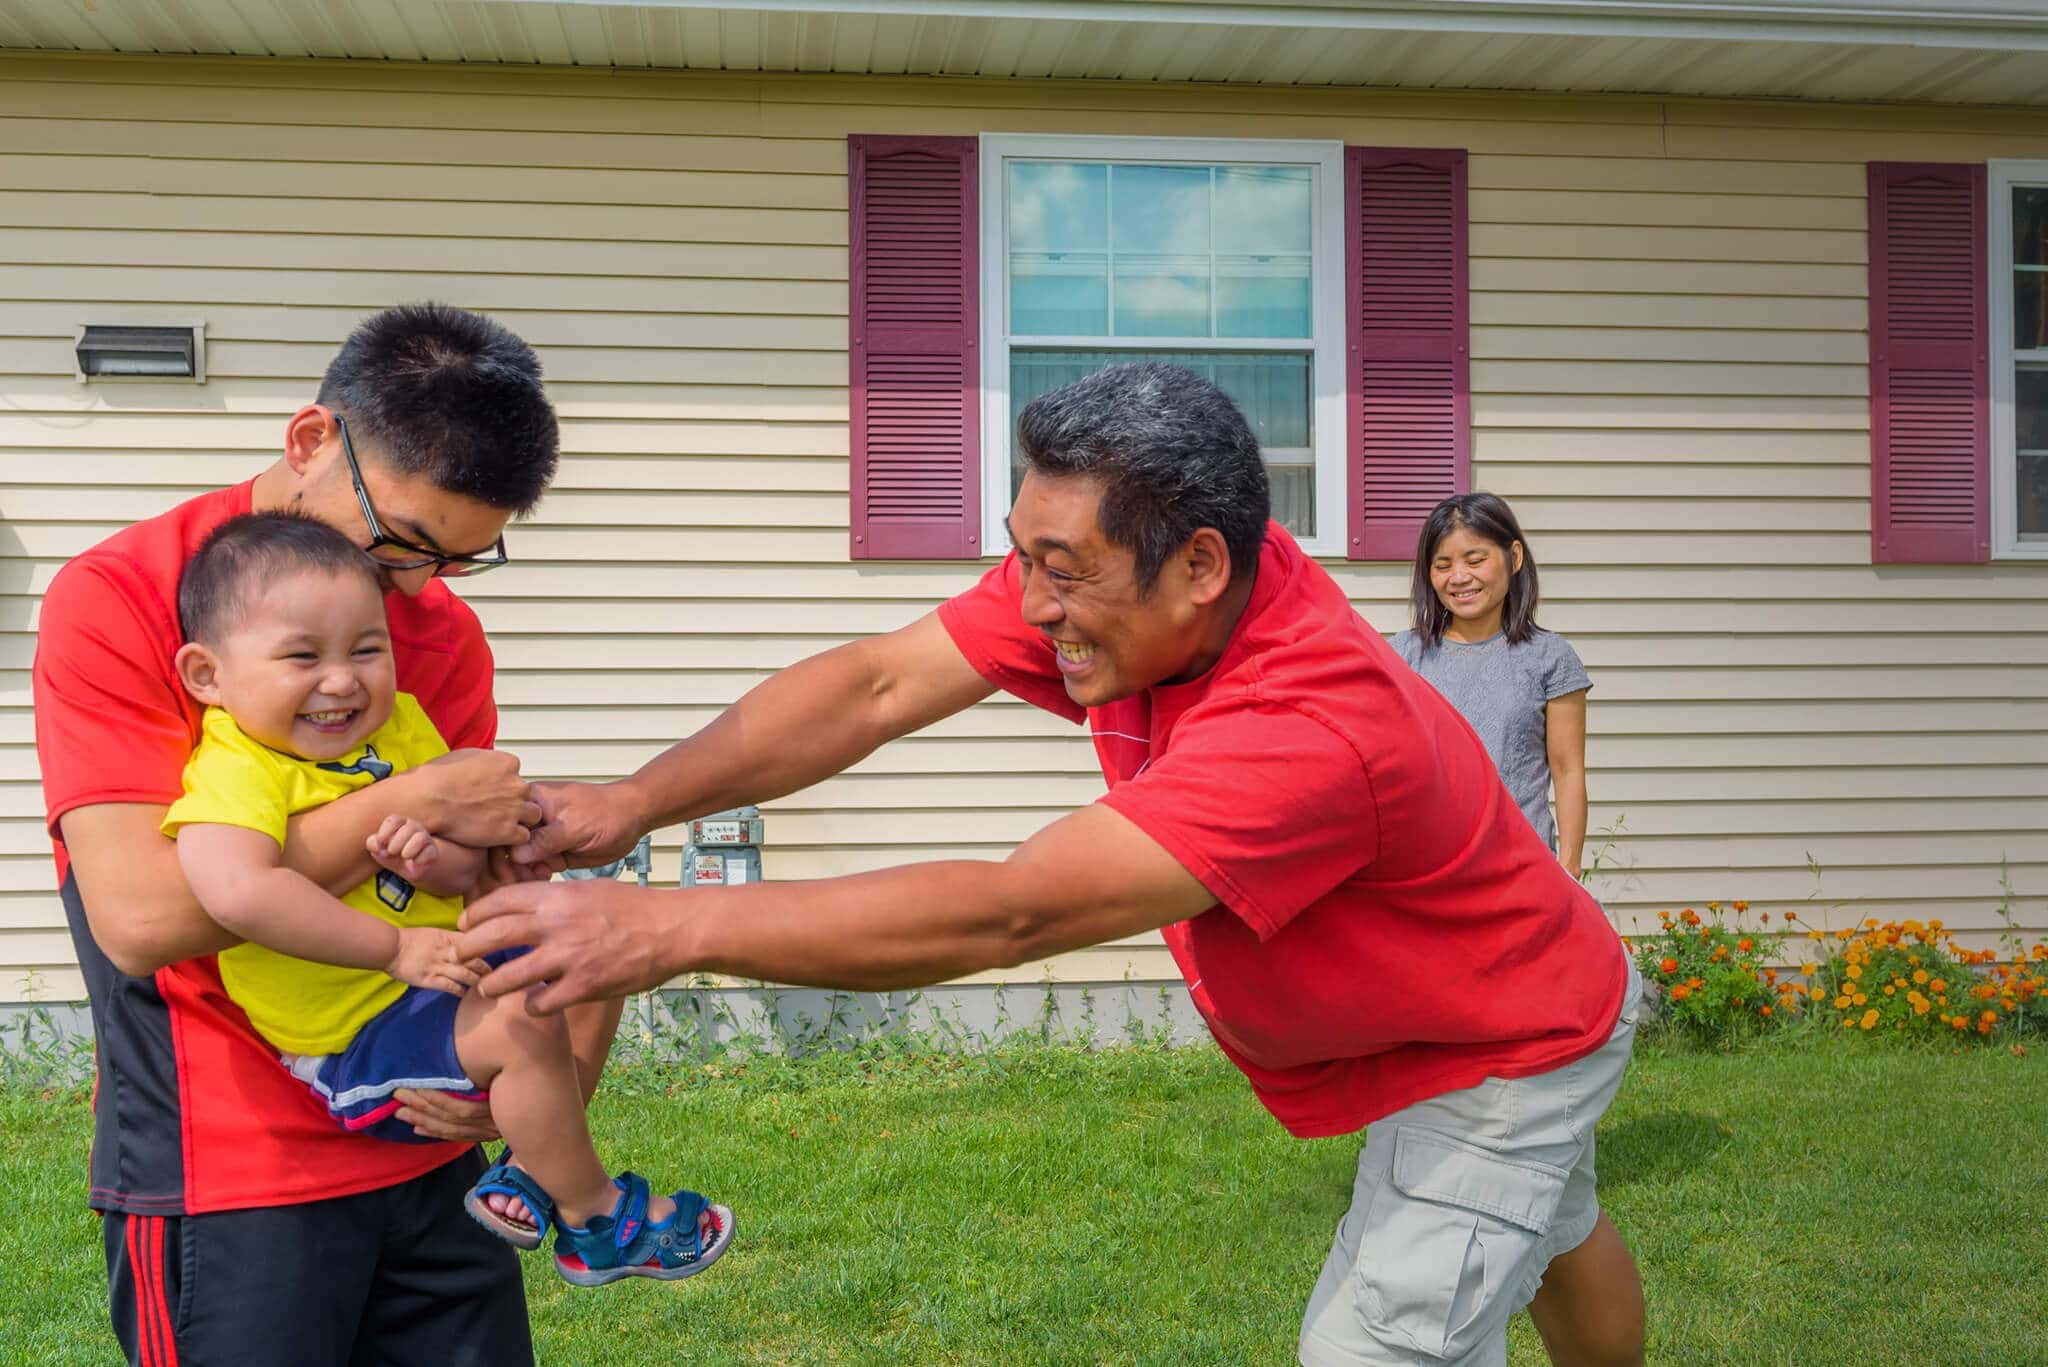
1668	366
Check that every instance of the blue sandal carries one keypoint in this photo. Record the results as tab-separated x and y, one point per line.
625	1244
502	1179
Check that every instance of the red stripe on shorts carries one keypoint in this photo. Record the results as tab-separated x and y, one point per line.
162	1299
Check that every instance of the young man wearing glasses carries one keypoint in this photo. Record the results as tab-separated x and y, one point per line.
238	1217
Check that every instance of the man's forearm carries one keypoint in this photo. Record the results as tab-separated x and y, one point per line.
894	928
799	727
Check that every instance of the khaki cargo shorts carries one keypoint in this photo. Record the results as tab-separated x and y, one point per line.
1461	1202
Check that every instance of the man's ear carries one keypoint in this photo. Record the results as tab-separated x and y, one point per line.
1207	558
199	670
306	435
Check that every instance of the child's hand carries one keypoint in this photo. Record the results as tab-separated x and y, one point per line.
405	847
426	958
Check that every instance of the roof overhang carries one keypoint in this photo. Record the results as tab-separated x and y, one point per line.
1941	51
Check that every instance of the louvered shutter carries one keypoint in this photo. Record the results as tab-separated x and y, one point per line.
1406	357
1930	405
914	365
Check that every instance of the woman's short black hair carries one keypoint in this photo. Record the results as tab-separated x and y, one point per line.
247	552
451	395
1172	453
1486	516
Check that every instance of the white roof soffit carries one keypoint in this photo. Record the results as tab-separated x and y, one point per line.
1982	52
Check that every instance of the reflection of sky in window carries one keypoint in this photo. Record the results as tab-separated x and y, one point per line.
1084	237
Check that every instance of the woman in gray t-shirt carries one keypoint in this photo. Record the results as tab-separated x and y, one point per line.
1522	688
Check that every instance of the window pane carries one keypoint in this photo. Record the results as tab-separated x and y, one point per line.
1264	209
1059	294
1159	217
2030	310
1058	207
1162	296
1059	241
2030	225
1263	296
2030	413
1272	390
1160	210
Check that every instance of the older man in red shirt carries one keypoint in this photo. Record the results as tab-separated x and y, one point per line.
1371	928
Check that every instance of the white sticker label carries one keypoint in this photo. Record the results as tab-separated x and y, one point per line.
719	832
736	875
710	868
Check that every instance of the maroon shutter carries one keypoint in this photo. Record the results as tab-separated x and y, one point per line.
914	360
1409	378
1930	419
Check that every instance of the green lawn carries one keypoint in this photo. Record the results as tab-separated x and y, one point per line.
1830	1204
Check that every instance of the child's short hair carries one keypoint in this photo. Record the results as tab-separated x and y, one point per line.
253	549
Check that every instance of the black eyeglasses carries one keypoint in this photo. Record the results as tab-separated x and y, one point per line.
419	557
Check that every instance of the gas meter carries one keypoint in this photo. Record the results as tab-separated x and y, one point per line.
724	849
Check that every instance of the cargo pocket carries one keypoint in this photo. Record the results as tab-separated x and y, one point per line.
1449	1236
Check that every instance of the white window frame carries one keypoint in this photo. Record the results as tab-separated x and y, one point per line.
1326	297
2003	178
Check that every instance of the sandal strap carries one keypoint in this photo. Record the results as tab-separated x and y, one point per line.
505	1180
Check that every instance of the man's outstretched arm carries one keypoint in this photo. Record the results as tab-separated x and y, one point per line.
805	724
1090	877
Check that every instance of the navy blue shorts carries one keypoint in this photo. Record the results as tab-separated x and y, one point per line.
410	1043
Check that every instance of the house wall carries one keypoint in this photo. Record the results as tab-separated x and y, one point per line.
1668	363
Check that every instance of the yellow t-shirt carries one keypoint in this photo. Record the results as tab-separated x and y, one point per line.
303	1007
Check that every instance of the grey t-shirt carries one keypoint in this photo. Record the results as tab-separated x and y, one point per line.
1501	689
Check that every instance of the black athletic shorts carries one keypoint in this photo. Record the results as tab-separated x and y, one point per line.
395	1277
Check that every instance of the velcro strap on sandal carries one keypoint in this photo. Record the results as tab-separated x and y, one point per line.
630	1214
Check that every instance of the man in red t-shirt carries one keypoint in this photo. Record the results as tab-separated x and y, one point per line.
430	432
1371	928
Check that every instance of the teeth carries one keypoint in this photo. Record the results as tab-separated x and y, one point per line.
324	718
1073	652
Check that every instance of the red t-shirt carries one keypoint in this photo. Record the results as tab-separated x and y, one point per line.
192	1111
1389	926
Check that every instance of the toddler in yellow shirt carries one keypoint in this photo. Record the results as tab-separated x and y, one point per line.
286	644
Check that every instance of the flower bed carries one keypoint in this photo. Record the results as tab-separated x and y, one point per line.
1721	978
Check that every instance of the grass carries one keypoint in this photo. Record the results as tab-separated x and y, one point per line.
1824	1204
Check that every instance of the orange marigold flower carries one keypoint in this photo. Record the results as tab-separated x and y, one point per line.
1689	916
1745	944
1680	992
1855	970
1744	906
1695	983
1713	906
1984	1028
1935	924
1959	1023
1842	1003
1667	966
1920	975
1869	1018
1814	935
1939	985
1988	1017
1860	999
1809	969
1763	1010
1816	992
1890	991
1871	924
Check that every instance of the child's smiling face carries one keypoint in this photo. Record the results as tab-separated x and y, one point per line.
304	668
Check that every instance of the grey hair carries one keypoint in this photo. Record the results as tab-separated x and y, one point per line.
1172	454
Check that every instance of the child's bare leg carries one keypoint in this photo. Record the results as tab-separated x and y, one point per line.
527	1064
